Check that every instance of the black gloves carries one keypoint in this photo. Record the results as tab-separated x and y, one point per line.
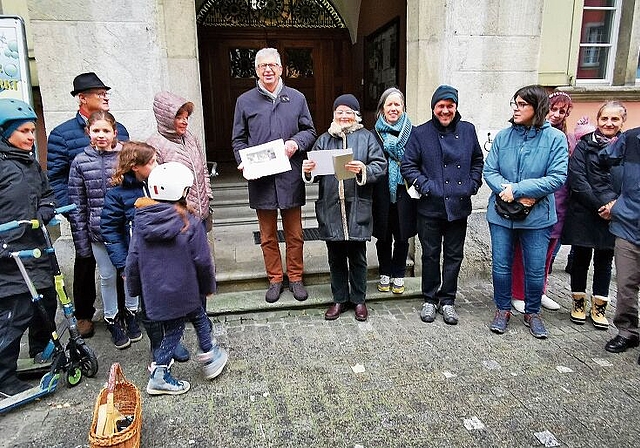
46	212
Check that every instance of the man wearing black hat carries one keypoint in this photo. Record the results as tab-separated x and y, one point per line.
65	142
443	161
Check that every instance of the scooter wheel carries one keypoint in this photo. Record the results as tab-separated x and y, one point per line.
74	376
88	361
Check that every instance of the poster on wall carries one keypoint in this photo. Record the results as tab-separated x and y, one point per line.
381	54
15	79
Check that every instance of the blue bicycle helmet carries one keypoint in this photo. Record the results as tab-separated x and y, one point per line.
12	110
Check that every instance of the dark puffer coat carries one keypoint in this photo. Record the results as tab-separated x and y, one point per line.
89	181
170	266
259	119
116	220
24	188
583	226
66	141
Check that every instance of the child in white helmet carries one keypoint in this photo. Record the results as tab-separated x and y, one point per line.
170	265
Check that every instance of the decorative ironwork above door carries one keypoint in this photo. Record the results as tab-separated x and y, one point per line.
269	13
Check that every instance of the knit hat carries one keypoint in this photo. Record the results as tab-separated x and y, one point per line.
347	100
444	92
13	125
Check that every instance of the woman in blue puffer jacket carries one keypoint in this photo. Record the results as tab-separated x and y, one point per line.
527	163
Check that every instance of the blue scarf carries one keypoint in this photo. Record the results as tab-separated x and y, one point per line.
394	138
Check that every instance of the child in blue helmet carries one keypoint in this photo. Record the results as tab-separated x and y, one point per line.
170	265
24	194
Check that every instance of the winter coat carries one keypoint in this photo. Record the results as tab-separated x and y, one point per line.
89	181
116	219
534	161
259	119
24	189
358	192
406	206
65	142
185	149
625	213
169	265
583	226
445	165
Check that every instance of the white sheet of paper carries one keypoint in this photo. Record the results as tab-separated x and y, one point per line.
264	160
324	160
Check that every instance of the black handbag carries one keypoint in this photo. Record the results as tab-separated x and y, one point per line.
514	210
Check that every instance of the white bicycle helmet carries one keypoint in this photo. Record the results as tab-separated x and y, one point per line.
169	182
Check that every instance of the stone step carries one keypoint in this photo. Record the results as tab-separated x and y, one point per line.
238	302
231	203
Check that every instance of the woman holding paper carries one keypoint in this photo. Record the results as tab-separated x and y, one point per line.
394	212
344	205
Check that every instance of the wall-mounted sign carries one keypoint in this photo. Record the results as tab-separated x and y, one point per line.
15	79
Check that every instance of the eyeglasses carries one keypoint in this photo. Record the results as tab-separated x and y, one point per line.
348	113
100	95
518	104
272	66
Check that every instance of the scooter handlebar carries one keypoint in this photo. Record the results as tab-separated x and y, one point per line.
31	253
65	209
17	223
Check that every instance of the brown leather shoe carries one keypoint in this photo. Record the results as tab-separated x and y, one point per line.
361	312
334	311
85	327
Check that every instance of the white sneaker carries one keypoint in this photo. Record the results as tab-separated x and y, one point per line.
518	305
549	303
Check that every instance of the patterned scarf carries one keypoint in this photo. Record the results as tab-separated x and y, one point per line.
394	138
602	140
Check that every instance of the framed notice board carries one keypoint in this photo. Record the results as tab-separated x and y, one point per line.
381	52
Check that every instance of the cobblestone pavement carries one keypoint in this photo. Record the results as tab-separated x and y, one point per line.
296	380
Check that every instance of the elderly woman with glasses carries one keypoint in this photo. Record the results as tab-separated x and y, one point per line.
527	164
343	208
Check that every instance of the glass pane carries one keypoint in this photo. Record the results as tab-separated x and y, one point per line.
592	62
241	62
299	63
600	3
596	26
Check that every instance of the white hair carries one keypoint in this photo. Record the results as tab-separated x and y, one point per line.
266	52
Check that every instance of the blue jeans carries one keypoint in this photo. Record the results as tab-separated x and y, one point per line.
173	331
534	244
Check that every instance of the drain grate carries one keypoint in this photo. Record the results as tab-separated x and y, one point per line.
308	235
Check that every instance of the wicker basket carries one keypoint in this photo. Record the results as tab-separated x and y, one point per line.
124	397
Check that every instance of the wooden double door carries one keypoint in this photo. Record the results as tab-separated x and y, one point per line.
315	62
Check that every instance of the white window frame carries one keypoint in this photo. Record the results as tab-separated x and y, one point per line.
612	45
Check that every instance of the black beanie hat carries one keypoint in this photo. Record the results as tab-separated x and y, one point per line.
444	92
347	100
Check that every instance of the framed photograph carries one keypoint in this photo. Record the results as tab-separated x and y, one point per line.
264	160
381	52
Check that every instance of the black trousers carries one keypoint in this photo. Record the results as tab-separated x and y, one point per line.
348	270
15	314
437	236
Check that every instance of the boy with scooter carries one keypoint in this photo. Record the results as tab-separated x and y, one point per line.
24	193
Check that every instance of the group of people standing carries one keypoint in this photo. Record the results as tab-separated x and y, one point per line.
402	180
419	180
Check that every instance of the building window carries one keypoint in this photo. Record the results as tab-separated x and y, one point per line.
598	39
